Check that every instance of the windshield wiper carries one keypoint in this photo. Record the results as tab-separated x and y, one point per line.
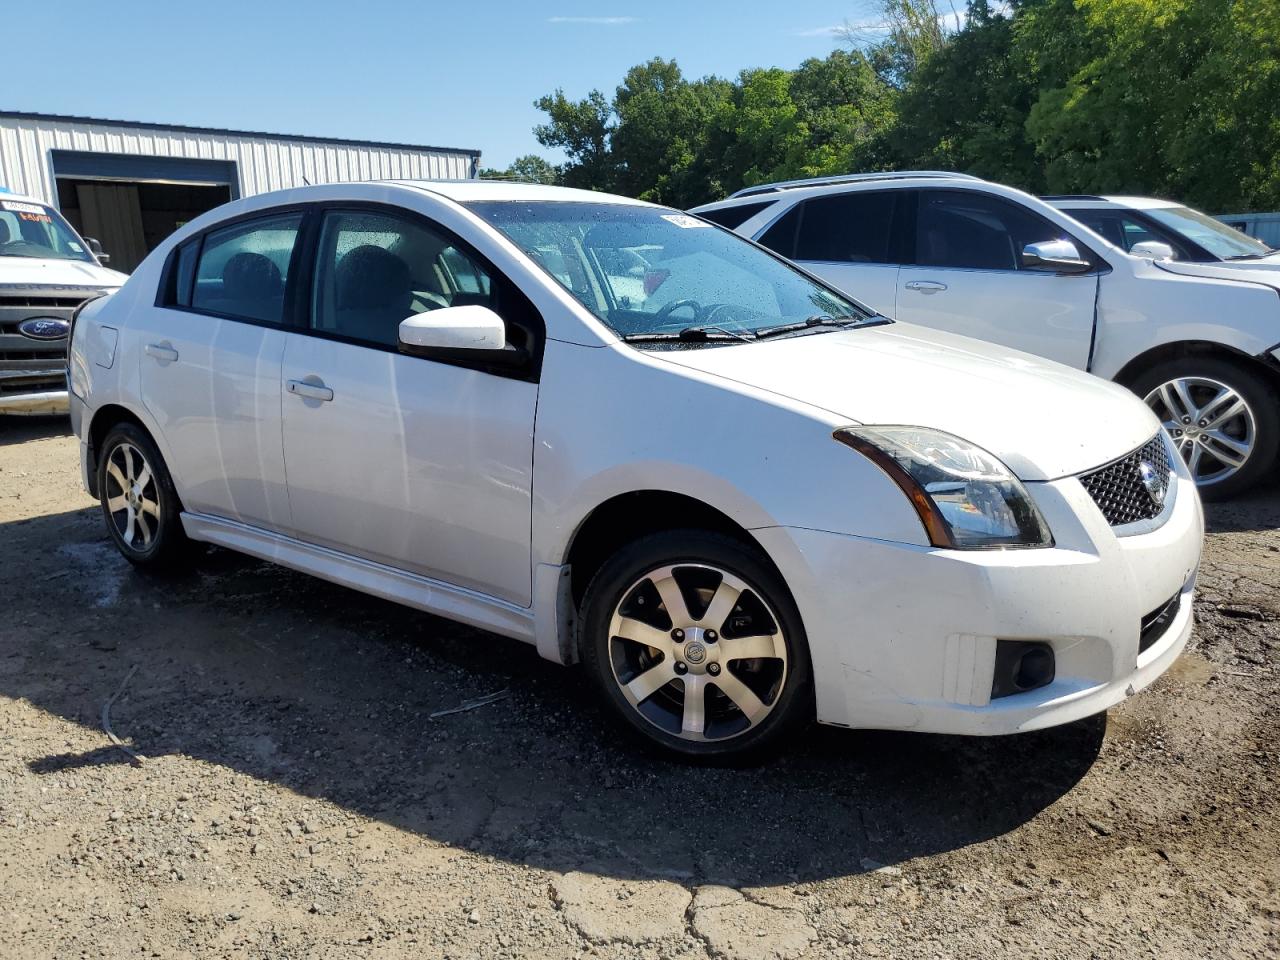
1251	256
702	334
818	320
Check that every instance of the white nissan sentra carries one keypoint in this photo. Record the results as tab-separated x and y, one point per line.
740	499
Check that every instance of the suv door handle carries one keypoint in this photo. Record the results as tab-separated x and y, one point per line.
926	286
311	391
161	351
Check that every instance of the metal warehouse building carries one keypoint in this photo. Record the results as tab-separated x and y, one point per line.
130	185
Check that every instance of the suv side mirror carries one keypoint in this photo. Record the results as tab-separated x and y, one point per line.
96	249
470	332
1060	256
1152	250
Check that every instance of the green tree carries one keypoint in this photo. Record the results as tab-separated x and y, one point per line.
529	168
582	129
965	107
1173	97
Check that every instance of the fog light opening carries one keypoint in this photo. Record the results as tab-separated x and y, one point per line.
1021	665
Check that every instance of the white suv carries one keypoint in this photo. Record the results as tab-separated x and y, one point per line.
1162	229
1201	343
633	439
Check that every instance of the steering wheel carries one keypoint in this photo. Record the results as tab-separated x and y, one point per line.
664	312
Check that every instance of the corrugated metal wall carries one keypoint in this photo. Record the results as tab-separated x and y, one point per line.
1264	226
263	162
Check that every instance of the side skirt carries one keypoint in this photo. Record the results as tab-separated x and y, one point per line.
422	593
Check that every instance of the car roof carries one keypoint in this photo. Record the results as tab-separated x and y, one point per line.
1089	202
910	180
466	191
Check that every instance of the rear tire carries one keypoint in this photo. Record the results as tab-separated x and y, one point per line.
1223	417
697	647
139	503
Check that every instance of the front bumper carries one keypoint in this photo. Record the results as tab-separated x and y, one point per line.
45	402
903	637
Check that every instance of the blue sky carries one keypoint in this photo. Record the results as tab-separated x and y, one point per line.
462	73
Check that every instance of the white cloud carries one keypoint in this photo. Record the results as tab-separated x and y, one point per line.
834	31
597	21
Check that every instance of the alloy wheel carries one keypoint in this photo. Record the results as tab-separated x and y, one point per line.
132	499
698	652
1211	424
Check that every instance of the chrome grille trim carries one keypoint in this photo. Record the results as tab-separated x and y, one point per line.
1118	488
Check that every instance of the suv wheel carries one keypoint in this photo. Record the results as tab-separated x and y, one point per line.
697	646
1223	419
138	500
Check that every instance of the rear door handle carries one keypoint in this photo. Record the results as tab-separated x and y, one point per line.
310	391
926	286
162	352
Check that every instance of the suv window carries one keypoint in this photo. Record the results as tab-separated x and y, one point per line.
243	268
847	228
977	231
376	269
734	217
1124	231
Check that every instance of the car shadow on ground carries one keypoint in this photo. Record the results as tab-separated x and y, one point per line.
1258	509
329	693
21	429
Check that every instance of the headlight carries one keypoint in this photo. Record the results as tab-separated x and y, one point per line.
966	498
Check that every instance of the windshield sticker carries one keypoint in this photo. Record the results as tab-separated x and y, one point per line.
36	217
684	221
75	247
13	206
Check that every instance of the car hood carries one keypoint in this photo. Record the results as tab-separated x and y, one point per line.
1254	271
58	273
1043	419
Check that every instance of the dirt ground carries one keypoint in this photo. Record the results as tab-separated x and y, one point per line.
296	799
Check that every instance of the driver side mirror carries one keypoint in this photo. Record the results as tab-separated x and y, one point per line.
1152	250
471	332
96	249
1060	256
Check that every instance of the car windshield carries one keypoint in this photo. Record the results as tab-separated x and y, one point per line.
653	272
1224	242
34	230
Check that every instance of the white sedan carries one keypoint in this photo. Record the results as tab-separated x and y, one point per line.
737	497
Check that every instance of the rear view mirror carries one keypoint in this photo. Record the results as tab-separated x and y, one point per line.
1059	256
1152	250
470	332
96	249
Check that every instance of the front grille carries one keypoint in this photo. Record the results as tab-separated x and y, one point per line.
1123	493
1156	623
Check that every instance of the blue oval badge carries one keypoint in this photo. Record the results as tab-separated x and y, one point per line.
44	328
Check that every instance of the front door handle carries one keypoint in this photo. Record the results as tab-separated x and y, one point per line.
926	286
309	391
162	352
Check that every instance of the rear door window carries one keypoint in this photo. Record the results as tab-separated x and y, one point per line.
847	228
734	217
244	268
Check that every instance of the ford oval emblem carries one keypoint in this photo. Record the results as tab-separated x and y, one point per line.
1152	480
44	328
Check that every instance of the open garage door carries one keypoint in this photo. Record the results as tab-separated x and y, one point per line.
131	203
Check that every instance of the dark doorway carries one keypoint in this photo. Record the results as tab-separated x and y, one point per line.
131	218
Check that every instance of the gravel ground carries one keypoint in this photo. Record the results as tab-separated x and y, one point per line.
295	798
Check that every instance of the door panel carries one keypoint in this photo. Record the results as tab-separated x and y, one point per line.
420	465
213	387
1041	313
969	277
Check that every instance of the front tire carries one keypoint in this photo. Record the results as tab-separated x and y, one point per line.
1223	417
697	647
138	499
